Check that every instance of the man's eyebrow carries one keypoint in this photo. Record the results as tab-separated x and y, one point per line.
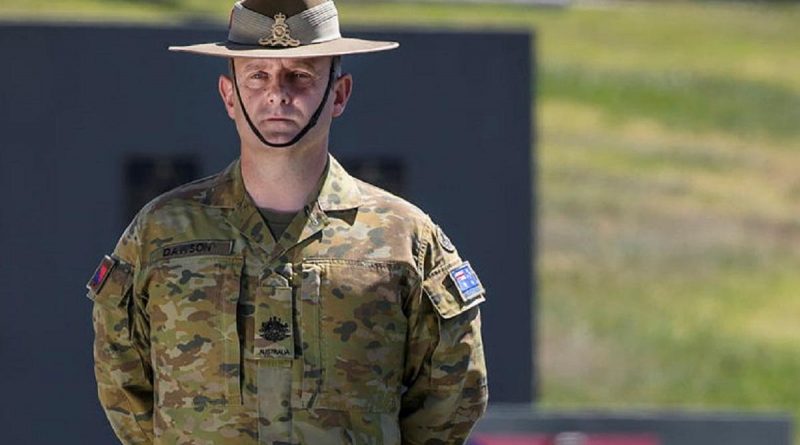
252	65
303	64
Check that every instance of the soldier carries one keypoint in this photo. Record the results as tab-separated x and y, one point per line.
282	301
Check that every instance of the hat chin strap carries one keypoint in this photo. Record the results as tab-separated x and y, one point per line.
311	123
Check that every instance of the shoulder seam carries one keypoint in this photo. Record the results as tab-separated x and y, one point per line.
426	239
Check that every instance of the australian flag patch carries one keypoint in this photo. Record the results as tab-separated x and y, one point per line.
467	282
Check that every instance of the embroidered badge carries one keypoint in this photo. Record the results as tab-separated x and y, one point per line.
280	34
193	248
444	240
467	283
274	329
101	274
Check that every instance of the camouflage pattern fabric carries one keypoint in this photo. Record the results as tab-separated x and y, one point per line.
348	329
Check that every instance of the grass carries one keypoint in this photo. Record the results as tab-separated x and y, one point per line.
740	107
668	192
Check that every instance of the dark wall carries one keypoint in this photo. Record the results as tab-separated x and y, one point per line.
77	102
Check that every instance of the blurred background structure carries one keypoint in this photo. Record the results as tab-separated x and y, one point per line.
100	119
668	190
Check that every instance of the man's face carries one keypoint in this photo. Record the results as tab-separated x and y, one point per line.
281	96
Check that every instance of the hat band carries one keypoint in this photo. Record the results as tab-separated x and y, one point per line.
314	25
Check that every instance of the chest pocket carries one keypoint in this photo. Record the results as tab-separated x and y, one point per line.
362	333
194	339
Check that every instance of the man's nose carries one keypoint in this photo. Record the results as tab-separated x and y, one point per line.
277	92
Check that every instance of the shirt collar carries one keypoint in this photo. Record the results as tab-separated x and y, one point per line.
339	190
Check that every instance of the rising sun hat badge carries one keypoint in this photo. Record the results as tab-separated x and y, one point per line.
280	34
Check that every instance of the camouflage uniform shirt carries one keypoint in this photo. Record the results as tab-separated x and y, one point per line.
349	328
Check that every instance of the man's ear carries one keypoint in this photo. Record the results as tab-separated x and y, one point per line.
341	93
227	94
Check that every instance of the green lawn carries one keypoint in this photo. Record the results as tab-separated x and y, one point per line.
669	191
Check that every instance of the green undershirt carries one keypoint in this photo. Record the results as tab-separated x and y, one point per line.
277	222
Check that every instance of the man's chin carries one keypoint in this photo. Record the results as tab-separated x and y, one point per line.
279	138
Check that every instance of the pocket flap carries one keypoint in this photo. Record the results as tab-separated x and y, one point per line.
455	290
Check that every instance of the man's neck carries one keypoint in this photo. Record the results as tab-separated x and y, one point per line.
282	179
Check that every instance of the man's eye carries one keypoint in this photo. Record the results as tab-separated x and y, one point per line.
301	76
258	75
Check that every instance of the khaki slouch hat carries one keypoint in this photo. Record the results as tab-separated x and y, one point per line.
285	29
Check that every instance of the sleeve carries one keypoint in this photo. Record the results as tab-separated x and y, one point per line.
444	377
121	347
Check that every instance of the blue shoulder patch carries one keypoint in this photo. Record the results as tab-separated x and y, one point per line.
466	281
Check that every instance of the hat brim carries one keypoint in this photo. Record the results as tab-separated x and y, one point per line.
337	47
